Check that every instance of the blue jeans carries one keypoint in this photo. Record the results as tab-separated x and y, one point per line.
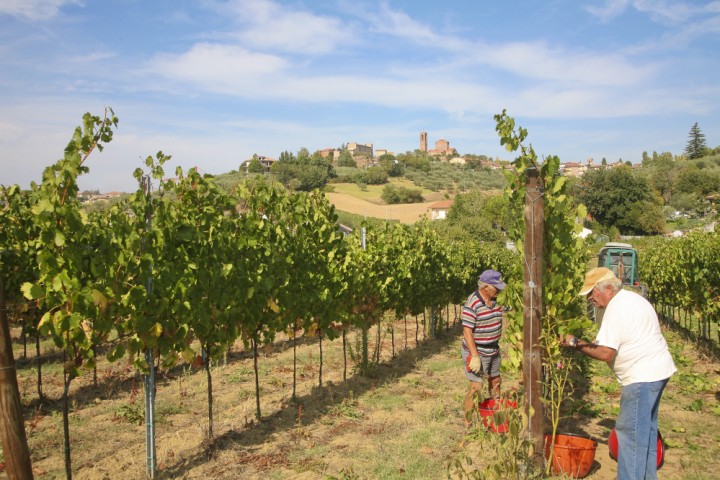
637	430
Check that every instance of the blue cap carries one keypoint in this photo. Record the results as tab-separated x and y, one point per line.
492	277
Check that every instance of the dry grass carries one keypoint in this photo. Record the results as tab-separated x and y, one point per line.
401	420
405	213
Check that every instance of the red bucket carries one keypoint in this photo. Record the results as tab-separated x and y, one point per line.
572	454
492	410
613	446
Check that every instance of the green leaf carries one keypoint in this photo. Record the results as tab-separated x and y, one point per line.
59	239
45	322
99	299
43	205
31	291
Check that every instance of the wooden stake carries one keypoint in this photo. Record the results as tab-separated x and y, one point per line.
532	313
14	440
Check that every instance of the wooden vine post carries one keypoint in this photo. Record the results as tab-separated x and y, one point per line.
532	312
14	441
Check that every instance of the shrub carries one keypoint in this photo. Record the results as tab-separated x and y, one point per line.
376	176
393	194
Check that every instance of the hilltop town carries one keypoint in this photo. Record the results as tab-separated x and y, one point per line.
366	155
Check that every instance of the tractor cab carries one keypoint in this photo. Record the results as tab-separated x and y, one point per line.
622	259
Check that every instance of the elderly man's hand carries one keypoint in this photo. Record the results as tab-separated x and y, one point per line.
475	365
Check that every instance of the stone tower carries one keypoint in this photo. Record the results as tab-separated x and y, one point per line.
423	141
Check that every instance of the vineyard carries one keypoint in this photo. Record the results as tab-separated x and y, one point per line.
255	296
683	278
182	270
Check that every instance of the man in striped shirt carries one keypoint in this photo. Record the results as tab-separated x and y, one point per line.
482	325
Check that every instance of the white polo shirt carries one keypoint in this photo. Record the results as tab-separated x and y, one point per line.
630	326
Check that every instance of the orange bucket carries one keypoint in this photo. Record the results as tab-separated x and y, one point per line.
613	446
572	454
491	410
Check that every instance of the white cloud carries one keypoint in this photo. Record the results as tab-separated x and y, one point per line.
680	39
91	57
235	71
663	11
610	9
540	62
34	9
219	68
529	60
267	25
400	24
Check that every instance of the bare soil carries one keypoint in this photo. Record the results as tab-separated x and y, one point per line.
402	419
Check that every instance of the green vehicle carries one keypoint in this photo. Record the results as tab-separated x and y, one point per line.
622	259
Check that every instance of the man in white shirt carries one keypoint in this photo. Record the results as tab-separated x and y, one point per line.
631	342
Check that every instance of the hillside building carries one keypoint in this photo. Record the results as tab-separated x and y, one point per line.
266	162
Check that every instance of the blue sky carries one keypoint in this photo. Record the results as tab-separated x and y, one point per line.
211	82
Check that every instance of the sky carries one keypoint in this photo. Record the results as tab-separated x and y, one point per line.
212	82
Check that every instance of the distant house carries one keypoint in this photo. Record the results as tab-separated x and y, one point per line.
442	149
102	197
572	169
329	152
266	162
492	165
439	210
364	149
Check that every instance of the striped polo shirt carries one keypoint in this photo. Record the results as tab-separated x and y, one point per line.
486	322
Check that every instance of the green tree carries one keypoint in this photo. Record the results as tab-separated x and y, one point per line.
696	146
662	179
417	160
255	166
694	180
303	153
304	172
611	195
478	216
645	217
376	176
393	194
346	159
311	177
392	166
286	157
474	162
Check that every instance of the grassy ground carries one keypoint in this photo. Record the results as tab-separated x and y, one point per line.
401	420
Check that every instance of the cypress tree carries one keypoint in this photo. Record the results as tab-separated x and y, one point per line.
696	144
